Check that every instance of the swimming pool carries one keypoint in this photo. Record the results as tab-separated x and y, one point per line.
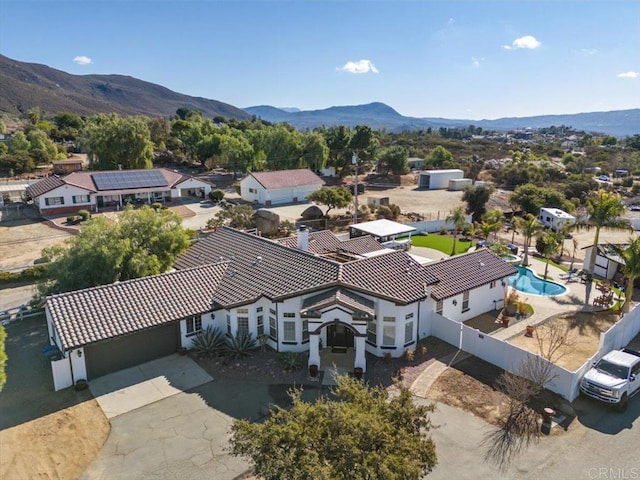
528	282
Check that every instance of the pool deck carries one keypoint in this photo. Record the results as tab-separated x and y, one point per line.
545	307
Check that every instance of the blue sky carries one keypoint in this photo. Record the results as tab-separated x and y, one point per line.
455	59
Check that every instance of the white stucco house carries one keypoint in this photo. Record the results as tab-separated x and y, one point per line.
302	293
115	188
279	186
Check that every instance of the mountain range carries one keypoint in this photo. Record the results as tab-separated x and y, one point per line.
378	115
24	86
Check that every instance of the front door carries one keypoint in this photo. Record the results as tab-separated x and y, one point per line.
339	335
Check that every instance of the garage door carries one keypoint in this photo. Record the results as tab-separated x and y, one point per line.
281	196
131	350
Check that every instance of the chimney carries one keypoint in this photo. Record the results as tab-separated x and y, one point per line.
303	238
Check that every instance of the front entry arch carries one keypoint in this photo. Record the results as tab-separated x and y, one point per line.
339	335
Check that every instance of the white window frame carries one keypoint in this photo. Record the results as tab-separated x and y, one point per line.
389	335
228	324
245	321
305	331
260	321
439	307
408	332
289	315
53	201
81	199
492	284
372	332
193	325
465	301
273	328
288	331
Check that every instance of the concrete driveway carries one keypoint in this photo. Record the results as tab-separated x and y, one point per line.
126	390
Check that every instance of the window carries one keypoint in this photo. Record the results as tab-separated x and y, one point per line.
465	301
272	311
194	325
408	316
243	325
228	324
388	319
439	304
493	284
408	332
259	309
253	190
81	199
289	331
305	330
289	315
260	325
273	331
388	335
54	201
372	336
242	310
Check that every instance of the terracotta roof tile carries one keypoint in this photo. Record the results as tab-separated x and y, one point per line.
341	297
465	272
324	242
45	185
287	178
99	313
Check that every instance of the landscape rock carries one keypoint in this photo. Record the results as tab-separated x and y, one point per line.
267	222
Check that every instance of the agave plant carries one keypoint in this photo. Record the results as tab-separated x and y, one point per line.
289	361
210	342
242	345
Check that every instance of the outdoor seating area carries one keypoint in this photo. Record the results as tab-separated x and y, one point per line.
606	297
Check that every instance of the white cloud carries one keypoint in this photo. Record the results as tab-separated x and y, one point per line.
361	66
451	21
528	41
82	60
588	51
629	75
475	62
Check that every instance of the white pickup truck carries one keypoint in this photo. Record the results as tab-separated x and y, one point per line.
614	378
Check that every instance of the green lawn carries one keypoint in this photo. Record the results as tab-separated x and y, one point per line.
444	243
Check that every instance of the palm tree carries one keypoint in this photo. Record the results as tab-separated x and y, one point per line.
547	244
604	209
529	226
459	220
630	269
495	218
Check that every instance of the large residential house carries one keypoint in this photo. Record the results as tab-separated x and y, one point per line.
302	293
279	186
96	190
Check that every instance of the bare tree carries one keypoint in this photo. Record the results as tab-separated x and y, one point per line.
520	425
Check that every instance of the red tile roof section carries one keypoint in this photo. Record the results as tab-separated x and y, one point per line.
287	178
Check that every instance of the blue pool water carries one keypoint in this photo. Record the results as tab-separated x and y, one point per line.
526	281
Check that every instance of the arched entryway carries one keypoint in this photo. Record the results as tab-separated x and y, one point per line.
339	335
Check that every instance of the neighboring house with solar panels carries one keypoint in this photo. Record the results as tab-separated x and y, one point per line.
112	189
279	186
302	293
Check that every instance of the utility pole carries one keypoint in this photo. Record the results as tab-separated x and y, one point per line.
354	161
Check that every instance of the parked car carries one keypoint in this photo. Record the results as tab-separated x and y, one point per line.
614	378
604	178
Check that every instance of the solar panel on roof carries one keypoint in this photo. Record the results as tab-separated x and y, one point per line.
126	180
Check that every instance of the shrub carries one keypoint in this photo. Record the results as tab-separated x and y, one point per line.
28	275
289	361
84	215
156	206
216	195
387	358
262	340
409	355
422	350
71	218
209	343
384	212
242	345
443	231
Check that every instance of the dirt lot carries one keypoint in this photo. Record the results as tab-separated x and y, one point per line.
583	339
433	204
471	386
43	434
22	241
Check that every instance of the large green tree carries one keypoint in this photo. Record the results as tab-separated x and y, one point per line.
476	197
135	244
394	159
604	209
114	142
332	197
439	157
364	434
530	199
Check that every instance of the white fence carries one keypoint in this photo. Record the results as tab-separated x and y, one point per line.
431	226
509	357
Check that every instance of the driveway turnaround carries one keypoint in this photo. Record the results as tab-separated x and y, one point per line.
132	388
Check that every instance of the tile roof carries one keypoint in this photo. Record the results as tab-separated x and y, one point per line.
84	180
45	185
324	242
465	272
287	178
259	267
339	296
99	313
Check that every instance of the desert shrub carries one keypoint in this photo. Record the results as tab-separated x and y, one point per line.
289	361
242	345
422	350
387	358
216	195
395	211
84	215
409	355
210	342
29	275
71	218
384	212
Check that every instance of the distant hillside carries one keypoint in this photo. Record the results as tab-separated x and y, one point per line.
379	115
27	85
